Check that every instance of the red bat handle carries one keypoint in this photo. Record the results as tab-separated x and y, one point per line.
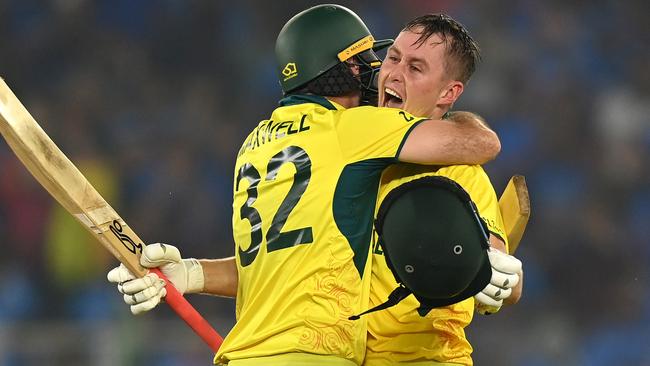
192	317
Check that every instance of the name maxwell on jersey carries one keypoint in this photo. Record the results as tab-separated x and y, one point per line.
269	130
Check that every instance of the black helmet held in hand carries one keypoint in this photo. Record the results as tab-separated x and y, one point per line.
435	243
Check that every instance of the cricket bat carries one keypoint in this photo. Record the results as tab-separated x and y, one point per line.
514	204
61	178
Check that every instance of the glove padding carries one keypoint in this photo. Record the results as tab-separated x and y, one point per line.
143	294
505	276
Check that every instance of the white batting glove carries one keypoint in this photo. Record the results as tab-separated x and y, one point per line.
143	294
505	276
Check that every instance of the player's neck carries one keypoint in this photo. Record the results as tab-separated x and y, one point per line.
347	101
439	112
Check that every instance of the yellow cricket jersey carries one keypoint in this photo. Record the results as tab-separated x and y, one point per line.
305	189
399	334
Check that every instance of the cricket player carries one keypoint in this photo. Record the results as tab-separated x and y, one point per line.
305	188
424	72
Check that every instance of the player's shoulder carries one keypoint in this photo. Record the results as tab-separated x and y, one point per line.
377	114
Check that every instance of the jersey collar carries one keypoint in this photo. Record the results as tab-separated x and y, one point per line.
308	98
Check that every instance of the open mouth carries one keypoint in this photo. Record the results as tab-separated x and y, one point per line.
392	99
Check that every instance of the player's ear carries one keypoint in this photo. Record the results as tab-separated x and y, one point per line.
451	92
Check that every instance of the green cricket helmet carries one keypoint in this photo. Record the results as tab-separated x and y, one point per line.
434	242
319	38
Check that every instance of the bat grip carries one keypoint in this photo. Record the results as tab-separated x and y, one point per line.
186	311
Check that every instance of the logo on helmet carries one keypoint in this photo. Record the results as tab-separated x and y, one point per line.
290	71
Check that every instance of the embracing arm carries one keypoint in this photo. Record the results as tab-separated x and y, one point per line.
463	138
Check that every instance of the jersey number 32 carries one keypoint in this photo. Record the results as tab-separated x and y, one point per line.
275	238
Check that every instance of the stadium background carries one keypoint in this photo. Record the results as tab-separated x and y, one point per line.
152	99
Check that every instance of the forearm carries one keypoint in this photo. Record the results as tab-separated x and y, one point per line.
221	277
462	139
483	143
470	118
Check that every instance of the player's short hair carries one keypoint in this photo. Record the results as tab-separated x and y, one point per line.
462	51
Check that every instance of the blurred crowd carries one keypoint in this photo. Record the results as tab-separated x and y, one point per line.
151	99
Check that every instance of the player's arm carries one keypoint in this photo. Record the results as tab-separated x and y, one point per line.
220	277
465	138
207	276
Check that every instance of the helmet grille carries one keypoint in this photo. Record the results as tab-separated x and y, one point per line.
336	81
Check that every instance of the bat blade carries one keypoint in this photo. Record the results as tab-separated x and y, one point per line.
61	178
514	204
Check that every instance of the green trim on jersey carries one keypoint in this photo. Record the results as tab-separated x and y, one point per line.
305	98
401	145
354	204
